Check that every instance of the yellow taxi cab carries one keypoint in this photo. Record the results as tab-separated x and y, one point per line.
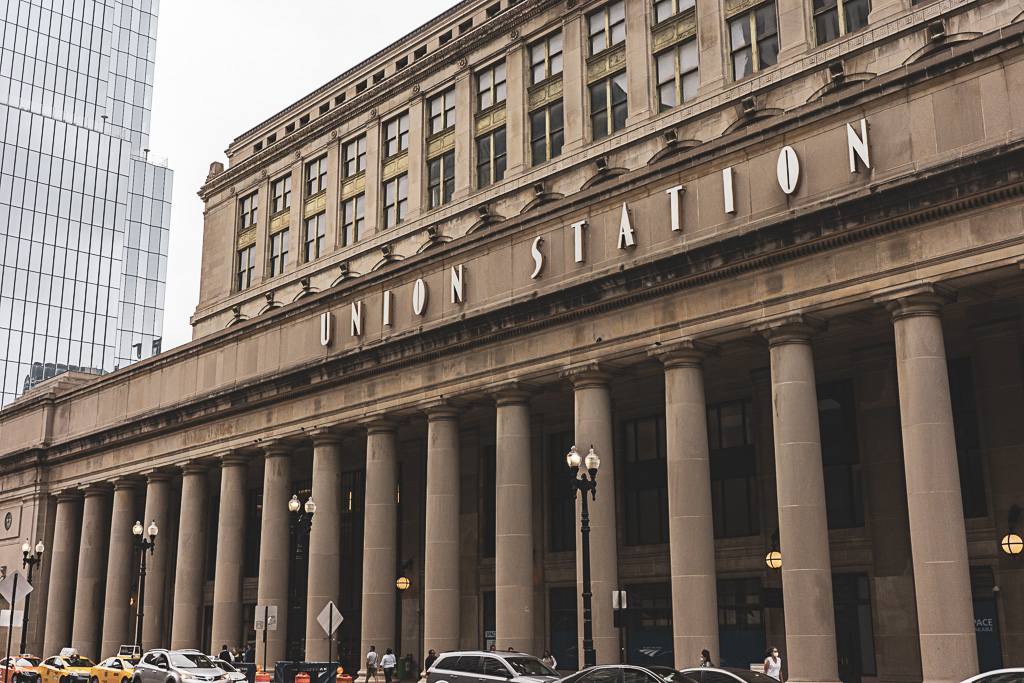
67	667
19	669
117	669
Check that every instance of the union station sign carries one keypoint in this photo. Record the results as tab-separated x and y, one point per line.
788	175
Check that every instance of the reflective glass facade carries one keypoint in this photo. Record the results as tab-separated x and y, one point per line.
84	215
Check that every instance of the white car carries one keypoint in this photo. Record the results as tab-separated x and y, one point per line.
1015	675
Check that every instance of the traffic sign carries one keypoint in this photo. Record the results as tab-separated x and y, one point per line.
15	587
618	599
266	617
5	618
330	618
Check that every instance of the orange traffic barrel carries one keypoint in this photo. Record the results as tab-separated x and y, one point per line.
262	677
302	677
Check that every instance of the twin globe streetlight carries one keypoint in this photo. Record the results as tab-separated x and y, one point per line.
143	544
587	483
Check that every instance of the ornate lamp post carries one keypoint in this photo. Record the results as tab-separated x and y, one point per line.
1011	544
774	558
585	482
143	545
302	521
30	561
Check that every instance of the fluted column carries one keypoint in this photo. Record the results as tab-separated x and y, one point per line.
803	525
691	530
120	569
379	542
92	571
227	586
190	570
275	555
938	538
513	532
441	598
594	428
158	497
63	563
324	538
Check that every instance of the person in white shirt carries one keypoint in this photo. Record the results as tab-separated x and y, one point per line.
773	664
388	664
371	663
550	660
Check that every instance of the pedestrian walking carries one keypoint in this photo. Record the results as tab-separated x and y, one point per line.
388	664
250	654
429	662
225	654
371	663
705	658
773	664
549	659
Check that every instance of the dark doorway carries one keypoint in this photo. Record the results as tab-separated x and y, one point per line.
855	639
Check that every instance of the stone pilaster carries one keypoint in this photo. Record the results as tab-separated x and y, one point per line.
117	627
275	555
417	159
324	558
227	587
190	566
795	28
92	571
638	60
516	133
63	558
465	165
574	83
712	54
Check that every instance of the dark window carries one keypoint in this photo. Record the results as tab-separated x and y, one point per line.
281	192
248	212
610	675
246	266
213	512
741	638
754	40
355	156
253	527
608	106
353	219
968	437
835	18
646	490
488	500
353	487
607	26
316	231
840	456
396	135
490	86
442	111
490	618
663	9
733	469
561	504
490	158
649	625
396	200
316	176
677	75
440	179
563	624
468	664
855	638
278	252
547	133
546	57
494	667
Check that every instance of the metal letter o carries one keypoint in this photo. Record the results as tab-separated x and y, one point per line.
419	297
788	170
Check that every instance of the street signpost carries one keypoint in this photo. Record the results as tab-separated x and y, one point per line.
14	588
330	619
266	620
619	613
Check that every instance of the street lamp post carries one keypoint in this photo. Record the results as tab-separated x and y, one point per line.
302	522
143	545
585	482
31	562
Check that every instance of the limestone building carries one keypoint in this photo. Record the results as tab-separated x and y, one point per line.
764	257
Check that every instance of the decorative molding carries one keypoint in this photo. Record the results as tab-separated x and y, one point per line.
439	143
606	63
679	28
353	185
246	237
544	93
315	204
280	221
394	165
491	118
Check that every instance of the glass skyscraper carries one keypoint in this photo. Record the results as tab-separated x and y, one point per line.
84	213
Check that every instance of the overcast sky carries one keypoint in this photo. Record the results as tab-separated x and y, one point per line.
222	67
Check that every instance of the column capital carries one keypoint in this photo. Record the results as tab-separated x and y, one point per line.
279	448
192	468
588	374
380	424
97	489
325	436
444	409
155	476
512	393
684	353
68	496
125	484
233	459
918	299
791	328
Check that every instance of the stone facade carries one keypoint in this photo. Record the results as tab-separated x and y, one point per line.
786	314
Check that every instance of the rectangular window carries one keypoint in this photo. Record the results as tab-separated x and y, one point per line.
442	111
968	437
645	480
733	469
278	252
396	135
855	637
316	230
355	156
246	266
281	191
649	626
663	9
353	219
253	524
547	133
840	456
741	637
607	27
561	504
834	18
316	176
490	86
608	108
546	57
248	212
754	40
677	75
440	179
564	623
396	200
490	157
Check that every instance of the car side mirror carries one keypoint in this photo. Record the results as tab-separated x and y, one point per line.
163	665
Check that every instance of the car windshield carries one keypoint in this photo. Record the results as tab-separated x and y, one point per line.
226	666
82	662
191	660
752	676
27	661
530	666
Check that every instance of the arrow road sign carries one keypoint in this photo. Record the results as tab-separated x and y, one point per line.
330	619
15	581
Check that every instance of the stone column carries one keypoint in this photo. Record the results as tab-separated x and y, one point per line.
517	137
638	60
227	587
691	530
190	571
158	496
800	481
574	85
513	535
92	571
379	542
275	550
594	428
938	538
324	578
121	561
441	596
63	563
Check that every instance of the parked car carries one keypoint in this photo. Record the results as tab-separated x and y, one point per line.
670	675
177	666
233	673
1015	675
115	669
614	673
477	666
720	674
67	667
20	669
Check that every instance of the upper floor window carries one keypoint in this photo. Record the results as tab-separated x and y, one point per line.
547	133
316	231
355	156
490	86
281	192
677	74
316	176
396	135
607	26
490	157
246	266
278	252
441	179
442	111
546	57
608	108
834	18
663	9
248	212
353	219
396	200
754	40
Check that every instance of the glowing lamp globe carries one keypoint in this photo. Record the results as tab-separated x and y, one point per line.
773	560
1012	544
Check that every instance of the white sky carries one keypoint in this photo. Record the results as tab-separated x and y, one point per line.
222	67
